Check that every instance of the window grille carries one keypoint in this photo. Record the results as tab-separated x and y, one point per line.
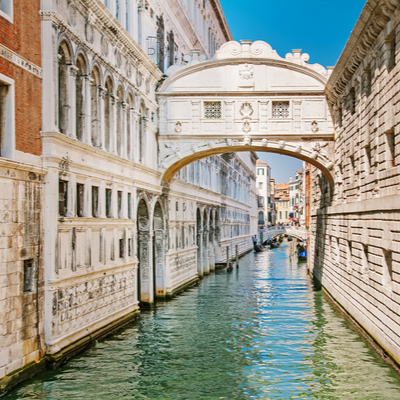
212	110
29	275
280	109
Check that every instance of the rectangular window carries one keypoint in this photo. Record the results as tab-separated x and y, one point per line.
212	110
129	205
62	198
95	201
280	109
286	214
280	214
120	209
29	276
6	9
391	148
121	248
80	199
260	185
129	247
109	203
352	96
391	51
7	117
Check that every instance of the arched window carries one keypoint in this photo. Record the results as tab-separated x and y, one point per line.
120	134
107	114
63	105
95	107
80	97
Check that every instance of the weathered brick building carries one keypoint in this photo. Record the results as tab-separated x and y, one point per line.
21	187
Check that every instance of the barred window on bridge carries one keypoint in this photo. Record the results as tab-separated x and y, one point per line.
280	109
212	110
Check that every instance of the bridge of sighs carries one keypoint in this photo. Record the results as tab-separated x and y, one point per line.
247	98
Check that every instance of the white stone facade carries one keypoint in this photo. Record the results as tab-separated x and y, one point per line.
115	237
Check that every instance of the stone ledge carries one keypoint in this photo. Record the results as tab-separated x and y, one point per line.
389	203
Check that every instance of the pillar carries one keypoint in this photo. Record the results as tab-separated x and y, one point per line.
206	262
71	130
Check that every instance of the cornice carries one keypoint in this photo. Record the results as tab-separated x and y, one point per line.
372	21
7	163
221	19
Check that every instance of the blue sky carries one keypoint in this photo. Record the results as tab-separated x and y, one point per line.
318	27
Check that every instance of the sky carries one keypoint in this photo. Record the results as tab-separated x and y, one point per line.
320	28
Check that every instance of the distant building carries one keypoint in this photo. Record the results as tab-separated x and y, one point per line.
264	193
272	205
296	196
282	200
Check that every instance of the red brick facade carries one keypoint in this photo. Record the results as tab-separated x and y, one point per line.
24	38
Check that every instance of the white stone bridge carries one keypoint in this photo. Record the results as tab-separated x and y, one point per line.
247	98
294	231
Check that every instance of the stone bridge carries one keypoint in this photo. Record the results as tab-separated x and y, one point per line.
295	231
247	98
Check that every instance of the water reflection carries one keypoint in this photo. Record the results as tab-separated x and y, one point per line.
260	332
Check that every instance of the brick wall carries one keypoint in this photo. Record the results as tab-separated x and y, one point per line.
23	36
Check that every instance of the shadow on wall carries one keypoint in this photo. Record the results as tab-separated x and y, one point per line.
322	198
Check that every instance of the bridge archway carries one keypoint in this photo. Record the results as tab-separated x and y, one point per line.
246	98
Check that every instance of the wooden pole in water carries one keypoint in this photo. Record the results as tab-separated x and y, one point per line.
237	256
227	256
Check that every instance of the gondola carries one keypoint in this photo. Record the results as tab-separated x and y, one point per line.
303	256
289	239
275	245
259	249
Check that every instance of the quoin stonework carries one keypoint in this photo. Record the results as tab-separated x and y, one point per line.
128	166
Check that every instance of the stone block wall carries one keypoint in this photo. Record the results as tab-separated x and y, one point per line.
21	267
355	253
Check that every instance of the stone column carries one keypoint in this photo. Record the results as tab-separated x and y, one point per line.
88	81
144	247
113	124
123	130
135	136
131	116
102	134
159	263
199	254
71	129
212	250
50	77
206	262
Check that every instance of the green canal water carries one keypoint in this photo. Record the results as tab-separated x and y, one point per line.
259	332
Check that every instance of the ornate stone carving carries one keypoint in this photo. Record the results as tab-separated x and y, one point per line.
246	110
247	141
246	127
71	14
314	127
89	32
264	142
178	127
246	73
281	144
105	46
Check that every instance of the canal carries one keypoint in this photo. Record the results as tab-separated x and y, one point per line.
259	332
